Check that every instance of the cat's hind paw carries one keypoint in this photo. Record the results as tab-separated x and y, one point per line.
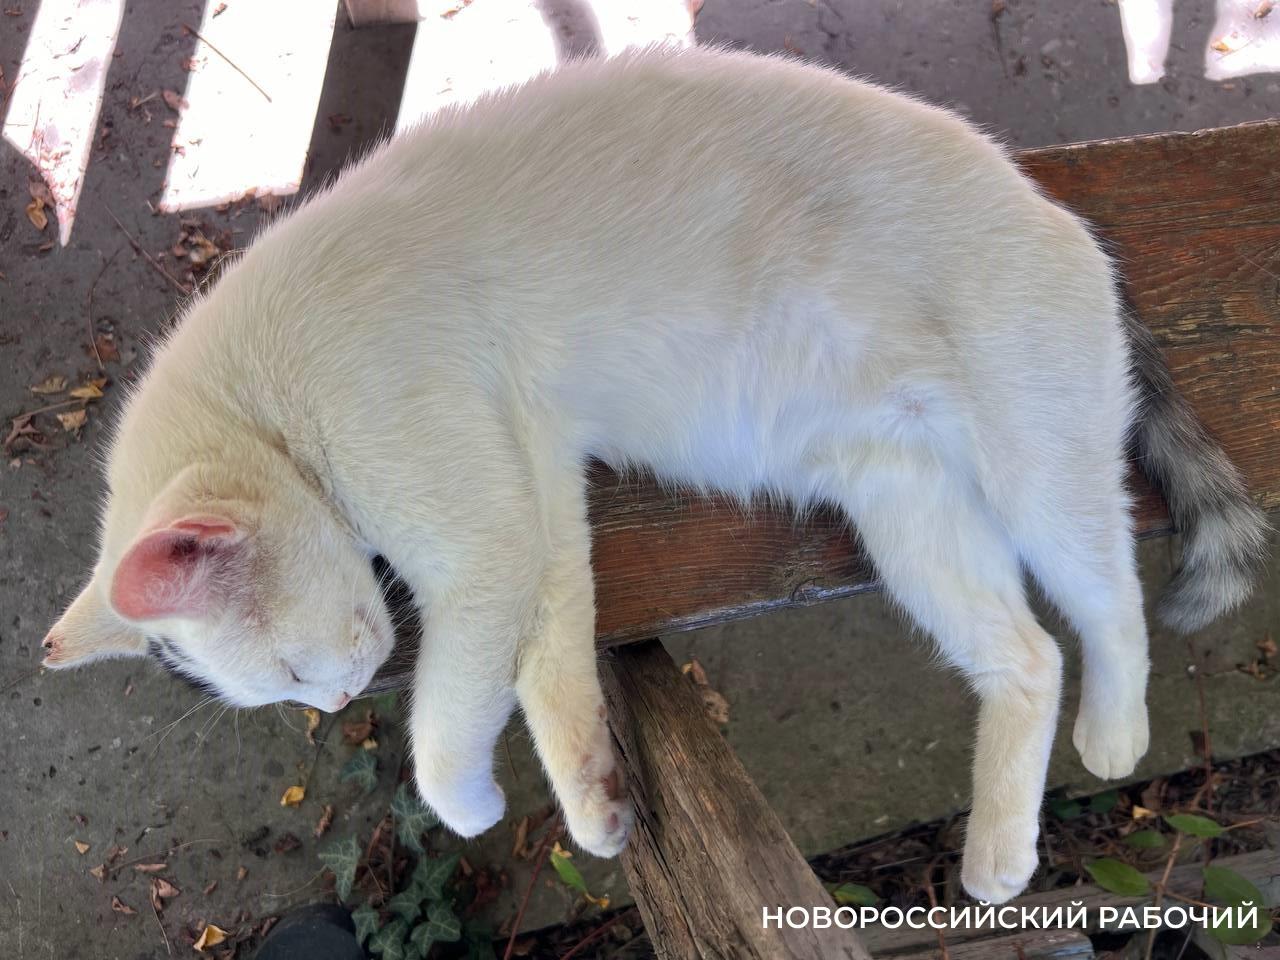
600	816
1111	743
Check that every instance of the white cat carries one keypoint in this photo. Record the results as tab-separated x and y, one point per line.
743	273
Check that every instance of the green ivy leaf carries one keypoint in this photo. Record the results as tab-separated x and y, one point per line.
1065	809
441	926
1194	825
569	874
342	857
430	876
406	904
1232	890
363	769
412	818
367	922
854	895
1118	878
389	941
1145	840
1104	802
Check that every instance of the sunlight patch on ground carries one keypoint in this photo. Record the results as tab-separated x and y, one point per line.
1147	25
463	50
57	94
1241	42
255	82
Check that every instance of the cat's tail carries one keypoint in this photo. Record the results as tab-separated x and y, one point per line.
1224	533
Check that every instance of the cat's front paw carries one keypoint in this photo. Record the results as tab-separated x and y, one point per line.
467	809
1111	742
599	814
999	859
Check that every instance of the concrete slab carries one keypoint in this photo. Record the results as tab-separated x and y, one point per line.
847	727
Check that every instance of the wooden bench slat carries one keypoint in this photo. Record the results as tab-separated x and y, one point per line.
1194	223
706	855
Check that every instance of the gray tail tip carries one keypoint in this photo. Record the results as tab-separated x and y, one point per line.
1222	561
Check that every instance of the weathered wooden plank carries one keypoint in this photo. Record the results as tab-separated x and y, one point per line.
1194	223
707	855
1022	945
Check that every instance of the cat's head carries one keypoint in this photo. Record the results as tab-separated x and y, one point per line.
249	585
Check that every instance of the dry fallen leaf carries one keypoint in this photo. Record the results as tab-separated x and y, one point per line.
716	706
164	888
54	383
73	420
1267	646
211	936
286	843
1142	813
36	214
173	100
355	732
241	874
89	390
81	847
293	796
325	821
212	886
99	873
369	744
313	723
119	906
107	348
522	838
1221	46
1263	9
150	867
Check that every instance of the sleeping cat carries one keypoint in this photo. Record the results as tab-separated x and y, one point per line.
743	273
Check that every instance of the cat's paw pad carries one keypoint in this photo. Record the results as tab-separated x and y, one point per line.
600	816
1111	743
467	810
998	861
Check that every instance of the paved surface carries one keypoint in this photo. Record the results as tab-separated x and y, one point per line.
105	756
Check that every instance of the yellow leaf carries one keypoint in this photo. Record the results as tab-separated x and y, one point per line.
560	851
81	847
1221	46
293	796
211	936
73	420
51	384
87	391
601	902
36	214
369	743
1142	813
313	723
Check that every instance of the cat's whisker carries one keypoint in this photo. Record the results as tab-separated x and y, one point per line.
164	733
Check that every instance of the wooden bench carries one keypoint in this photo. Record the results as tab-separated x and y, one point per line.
1193	221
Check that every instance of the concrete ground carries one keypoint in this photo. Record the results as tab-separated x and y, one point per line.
121	754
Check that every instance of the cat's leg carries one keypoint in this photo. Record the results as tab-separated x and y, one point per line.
943	556
461	699
559	688
1088	570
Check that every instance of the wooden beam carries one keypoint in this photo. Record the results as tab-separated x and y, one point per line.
707	855
1193	220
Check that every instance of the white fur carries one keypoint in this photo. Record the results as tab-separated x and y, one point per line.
742	273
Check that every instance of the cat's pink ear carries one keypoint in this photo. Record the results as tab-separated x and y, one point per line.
187	568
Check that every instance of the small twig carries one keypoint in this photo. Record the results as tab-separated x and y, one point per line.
320	744
544	848
933	902
597	933
231	63
1195	903
1164	880
17	680
154	263
160	924
78	401
1207	787
93	337
160	856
